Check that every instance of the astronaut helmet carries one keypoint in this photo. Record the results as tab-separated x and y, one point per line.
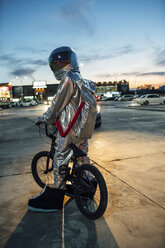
61	60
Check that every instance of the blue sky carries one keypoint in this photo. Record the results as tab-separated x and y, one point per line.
114	40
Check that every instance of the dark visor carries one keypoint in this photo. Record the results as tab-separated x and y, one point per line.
59	60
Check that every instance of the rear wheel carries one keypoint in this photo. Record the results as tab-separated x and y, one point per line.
90	191
42	168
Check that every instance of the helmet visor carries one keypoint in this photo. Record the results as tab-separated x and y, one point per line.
59	60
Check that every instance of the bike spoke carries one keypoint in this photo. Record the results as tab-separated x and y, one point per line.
89	192
47	177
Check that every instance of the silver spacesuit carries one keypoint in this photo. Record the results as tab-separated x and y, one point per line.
73	93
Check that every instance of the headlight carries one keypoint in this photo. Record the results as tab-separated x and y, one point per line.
98	108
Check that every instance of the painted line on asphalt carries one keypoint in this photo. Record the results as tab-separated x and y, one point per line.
16	174
136	190
140	156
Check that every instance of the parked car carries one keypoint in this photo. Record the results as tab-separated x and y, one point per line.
28	103
108	99
127	97
13	104
112	94
150	99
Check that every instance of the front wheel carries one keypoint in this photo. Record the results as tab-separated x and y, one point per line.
42	168
90	191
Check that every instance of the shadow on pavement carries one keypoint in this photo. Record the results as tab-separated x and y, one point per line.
67	228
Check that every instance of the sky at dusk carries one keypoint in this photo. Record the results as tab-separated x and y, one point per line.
114	40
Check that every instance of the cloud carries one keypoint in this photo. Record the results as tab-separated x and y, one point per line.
158	54
31	49
12	60
160	60
77	13
23	72
108	53
105	75
133	74
22	66
140	74
38	62
159	73
152	44
110	75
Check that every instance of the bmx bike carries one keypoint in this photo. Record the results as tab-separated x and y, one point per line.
88	184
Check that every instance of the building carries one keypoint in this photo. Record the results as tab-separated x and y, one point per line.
40	90
120	86
5	95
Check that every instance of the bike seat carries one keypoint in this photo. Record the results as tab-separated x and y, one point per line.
77	152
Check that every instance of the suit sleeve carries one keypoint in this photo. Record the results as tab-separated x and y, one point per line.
60	100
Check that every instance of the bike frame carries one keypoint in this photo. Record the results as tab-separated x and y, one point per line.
68	176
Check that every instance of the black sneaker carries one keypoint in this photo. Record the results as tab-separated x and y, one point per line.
49	200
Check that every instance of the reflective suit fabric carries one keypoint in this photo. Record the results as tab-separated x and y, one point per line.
71	92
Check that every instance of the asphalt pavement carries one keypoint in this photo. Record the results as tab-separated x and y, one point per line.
129	151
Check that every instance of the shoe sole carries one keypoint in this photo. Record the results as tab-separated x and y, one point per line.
42	210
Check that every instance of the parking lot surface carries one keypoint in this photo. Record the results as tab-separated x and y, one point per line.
129	149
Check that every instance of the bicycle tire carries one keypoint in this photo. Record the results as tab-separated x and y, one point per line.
41	156
103	192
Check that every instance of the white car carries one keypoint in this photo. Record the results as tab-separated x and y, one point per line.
150	99
127	97
28	103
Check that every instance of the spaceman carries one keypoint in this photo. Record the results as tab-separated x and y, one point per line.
74	99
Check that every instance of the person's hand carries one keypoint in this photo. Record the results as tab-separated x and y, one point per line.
39	121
